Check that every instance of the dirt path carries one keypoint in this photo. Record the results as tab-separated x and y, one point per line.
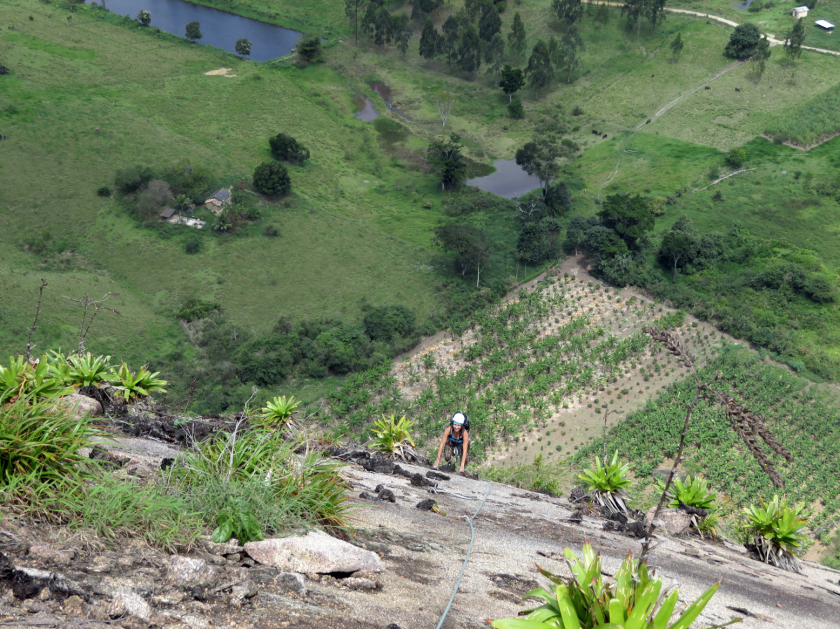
694	89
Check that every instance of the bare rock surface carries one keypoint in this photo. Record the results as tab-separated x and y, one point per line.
315	552
191	572
81	406
671	521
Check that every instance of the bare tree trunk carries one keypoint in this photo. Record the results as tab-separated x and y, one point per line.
29	345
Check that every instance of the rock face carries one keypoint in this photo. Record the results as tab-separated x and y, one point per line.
315	552
671	521
80	406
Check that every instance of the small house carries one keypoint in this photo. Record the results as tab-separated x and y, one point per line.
799	12
219	199
166	213
825	25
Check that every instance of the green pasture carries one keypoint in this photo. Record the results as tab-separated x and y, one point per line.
777	20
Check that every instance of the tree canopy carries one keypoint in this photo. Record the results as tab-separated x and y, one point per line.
447	163
471	245
629	216
272	178
243	47
539	70
193	32
286	148
512	81
743	41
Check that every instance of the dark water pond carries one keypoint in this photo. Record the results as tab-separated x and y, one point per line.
364	108
385	92
219	29
744	6
508	181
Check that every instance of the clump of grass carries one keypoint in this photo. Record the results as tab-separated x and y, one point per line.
259	472
537	475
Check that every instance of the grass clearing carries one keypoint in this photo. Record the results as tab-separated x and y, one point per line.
809	123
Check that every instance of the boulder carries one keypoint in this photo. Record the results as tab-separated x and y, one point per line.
80	406
670	521
191	572
50	555
126	602
315	552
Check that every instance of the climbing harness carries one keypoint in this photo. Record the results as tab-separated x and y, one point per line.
466	559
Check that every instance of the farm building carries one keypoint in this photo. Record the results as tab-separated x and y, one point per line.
219	199
166	213
799	12
823	24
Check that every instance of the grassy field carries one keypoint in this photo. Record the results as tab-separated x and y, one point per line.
777	20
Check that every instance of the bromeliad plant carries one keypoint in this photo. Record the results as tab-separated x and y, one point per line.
634	601
393	437
130	386
278	411
32	381
79	371
607	484
771	530
700	502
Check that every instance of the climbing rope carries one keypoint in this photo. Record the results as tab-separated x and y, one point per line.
466	559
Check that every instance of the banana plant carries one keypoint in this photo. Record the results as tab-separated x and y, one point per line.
634	601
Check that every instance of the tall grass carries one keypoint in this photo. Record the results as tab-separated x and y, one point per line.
811	122
552	477
263	473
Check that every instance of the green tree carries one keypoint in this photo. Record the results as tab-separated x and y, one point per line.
469	50
737	157
421	9
570	45
429	41
516	38
743	41
182	204
602	243
540	158
760	57
539	69
515	109
310	49
243	47
676	47
352	8
272	178
602	18
193	31
655	10
144	17
512	81
634	10
568	11
794	40
629	216
680	245
449	41
447	163
402	31
532	245
223	222
494	53
490	22
472	246
285	147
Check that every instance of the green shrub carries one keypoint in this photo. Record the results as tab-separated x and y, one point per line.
584	600
272	178
691	492
103	191
132	179
192	245
194	309
309	49
607	484
270	231
278	411
771	530
515	109
387	322
285	147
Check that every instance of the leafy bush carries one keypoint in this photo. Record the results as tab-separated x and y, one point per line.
737	156
194	309
743	41
192	244
607	484
309	49
270	231
103	191
584	601
771	531
387	322
132	179
285	147
515	109
272	178
392	436
27	381
131	386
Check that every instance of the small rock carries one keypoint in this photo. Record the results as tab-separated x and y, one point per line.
386	495
102	564
244	590
109	586
437	475
314	552
168	597
80	406
35	607
73	606
670	521
291	582
190	572
49	555
425	505
229	547
132	604
233	557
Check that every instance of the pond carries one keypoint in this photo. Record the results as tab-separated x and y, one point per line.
508	181
219	29
364	108
385	92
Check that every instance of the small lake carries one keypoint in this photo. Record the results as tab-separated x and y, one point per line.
365	109
218	28
508	181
